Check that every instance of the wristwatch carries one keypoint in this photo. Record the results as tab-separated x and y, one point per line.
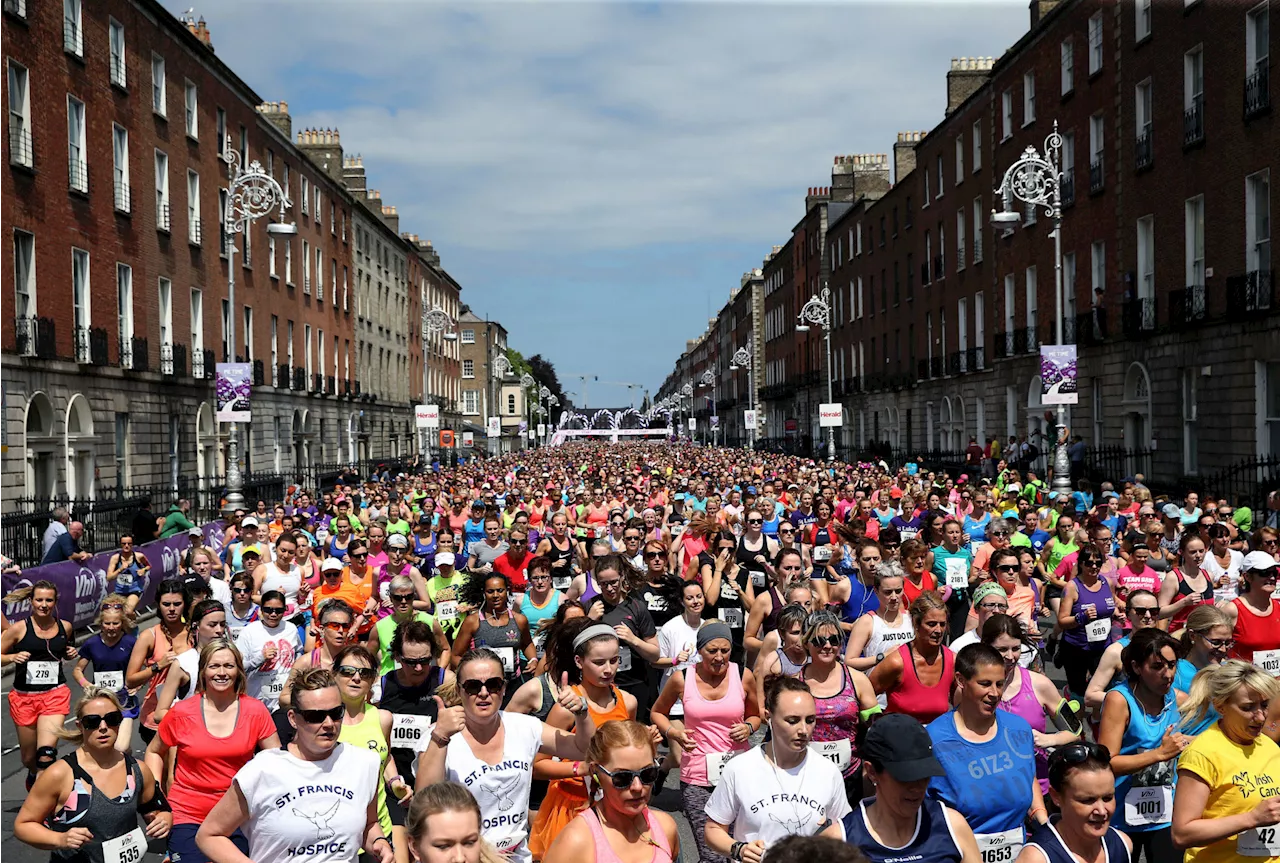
735	850
879	658
155	668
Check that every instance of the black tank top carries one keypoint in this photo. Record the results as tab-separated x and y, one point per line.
561	576
412	701
104	817
42	650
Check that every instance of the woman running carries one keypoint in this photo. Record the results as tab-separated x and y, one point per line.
84	808
269	647
365	726
127	572
914	557
878	633
40	699
1255	614
1186	585
1228	801
677	639
1206	643
157	649
840	694
108	651
620	824
779	788
900	822
208	621
1082	788
243	610
719	715
1223	563
1085	618
402	593
211	735
916	678
561	550
791	655
335	622
316	798
494	625
953	566
540	603
490	750
1139	723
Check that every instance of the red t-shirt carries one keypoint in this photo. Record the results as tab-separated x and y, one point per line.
207	764
517	572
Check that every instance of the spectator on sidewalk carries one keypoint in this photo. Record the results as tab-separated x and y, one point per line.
146	524
67	546
57	527
175	520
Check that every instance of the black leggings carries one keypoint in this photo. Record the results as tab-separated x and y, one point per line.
1155	846
1079	664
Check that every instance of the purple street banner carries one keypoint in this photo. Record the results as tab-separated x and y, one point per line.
524	426
715	422
233	384
81	586
1058	382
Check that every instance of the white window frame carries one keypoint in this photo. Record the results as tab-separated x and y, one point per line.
163	221
1097	139
1032	285
468	337
941	177
197	321
1258	221
1067	65
19	80
158	86
319	275
248	334
1006	115
306	267
1190	425
1096	56
1193	226
271	256
288	261
191	102
1252	39
24	276
1142	108
124	311
1146	260
73	28
1069	286
81	290
1028	99
468	369
977	146
77	155
1097	268
306	347
115	42
1141	20
471	402
164	294
120	168
193	208
961	251
1193	77
977	229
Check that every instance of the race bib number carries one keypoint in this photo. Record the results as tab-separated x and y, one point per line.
540	641
113	680
124	578
128	848
561	582
273	686
1153	805
1259	842
677	530
1268	661
759	578
715	765
624	657
1098	630
508	657
657	603
447	612
729	588
731	616
957	573
999	847
42	673
410	732
838	752
516	600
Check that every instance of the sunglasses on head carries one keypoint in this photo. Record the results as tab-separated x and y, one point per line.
494	685
622	779
91	721
315	717
355	671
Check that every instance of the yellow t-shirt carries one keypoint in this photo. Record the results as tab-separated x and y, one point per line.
1239	777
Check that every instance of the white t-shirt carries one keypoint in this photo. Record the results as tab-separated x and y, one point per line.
285	582
675	636
1231	590
501	789
188	661
1025	659
266	680
761	801
308	810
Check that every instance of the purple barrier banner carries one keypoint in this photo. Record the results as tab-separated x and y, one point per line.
81	586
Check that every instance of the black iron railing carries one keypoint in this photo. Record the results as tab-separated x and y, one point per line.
1251	293
1193	122
1257	90
1187	307
1097	176
1138	317
1143	157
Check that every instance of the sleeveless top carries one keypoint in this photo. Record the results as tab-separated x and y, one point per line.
367	734
1025	704
1257	636
709	722
504	640
933	840
1206	597
1088	636
574	786
924	703
776	604
561	576
409	701
548	700
1144	800
105	817
838	721
536	614
425	551
788	668
160	646
885	638
386	629
1050	844
605	854
35	675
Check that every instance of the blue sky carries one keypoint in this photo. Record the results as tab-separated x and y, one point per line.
598	176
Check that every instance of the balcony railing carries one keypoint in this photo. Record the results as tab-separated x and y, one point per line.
1257	90
346	387
122	200
202	364
975	359
922	370
280	375
1091	327
259	374
1143	158
20	152
306	284
71	37
317	384
141	355
955	364
194	234
1251	293
960	258
299	379
1067	189
36	338
16	7
125	344
1193	122
162	216
1138	317
78	175
936	367
84	338
331	384
1025	341
117	70
1187	307
357	387
1097	177
938	262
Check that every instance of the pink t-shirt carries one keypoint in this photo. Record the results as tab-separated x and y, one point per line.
207	764
1127	581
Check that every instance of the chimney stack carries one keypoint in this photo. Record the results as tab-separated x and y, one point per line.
391	217
324	148
277	113
904	154
967	75
353	174
857	176
817	195
1041	8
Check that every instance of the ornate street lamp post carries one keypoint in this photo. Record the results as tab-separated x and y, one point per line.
686	392
817	312
435	321
1036	180
742	357
709	380
251	194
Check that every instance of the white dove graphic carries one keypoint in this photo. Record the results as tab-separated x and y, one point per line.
320	820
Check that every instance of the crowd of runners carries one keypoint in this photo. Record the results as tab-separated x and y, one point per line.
509	659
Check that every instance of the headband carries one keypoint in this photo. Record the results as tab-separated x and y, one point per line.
712	630
593	631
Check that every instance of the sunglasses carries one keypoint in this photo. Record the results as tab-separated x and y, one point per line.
315	717
494	685
622	779
1219	643
402	597
112	606
1008	567
336	627
653	555
91	721
360	554
273	610
355	671
825	641
755	521
414	662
